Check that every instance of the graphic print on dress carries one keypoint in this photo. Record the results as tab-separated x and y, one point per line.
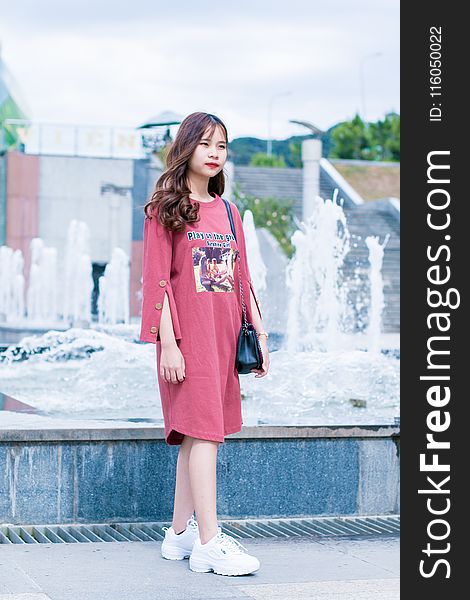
213	268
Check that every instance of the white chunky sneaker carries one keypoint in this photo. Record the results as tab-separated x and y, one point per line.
222	554
177	547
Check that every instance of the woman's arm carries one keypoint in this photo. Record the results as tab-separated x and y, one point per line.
172	364
156	285
166	331
160	320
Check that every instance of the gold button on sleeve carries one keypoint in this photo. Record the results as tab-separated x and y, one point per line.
153	330
158	305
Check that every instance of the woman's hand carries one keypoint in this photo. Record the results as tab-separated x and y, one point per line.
263	342
172	365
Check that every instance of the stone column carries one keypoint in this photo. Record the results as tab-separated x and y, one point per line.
311	155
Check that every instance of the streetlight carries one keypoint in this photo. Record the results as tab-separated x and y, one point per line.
269	146
361	81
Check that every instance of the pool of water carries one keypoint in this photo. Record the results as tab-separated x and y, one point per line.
88	374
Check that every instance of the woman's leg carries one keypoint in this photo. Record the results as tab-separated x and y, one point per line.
202	475
183	502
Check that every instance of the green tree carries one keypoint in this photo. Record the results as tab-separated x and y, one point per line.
367	141
261	159
276	215
385	138
295	149
349	139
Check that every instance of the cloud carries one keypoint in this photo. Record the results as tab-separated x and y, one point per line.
119	62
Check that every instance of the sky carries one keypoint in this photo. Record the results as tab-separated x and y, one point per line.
119	62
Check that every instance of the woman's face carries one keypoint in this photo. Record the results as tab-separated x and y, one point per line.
210	154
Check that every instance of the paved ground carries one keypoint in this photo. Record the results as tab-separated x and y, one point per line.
291	569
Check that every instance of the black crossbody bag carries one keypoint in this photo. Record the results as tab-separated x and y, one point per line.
249	355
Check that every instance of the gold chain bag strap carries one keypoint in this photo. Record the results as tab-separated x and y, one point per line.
249	355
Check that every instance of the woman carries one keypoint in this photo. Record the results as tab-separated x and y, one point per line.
195	331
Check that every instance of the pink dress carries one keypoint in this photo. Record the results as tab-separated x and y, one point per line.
197	269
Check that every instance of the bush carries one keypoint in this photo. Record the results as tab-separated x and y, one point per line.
274	214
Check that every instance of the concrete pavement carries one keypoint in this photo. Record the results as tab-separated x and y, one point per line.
291	569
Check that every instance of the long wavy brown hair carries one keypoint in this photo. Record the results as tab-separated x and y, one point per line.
170	201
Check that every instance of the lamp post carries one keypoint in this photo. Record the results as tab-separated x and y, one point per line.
361	81
269	145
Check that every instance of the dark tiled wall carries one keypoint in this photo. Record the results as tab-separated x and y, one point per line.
133	480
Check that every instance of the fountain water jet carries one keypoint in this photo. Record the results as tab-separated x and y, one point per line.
113	301
78	279
42	288
12	285
318	313
377	302
305	384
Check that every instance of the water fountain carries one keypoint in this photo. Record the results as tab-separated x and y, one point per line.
77	280
376	255
113	301
325	369
322	371
59	295
257	265
318	312
41	302
325	409
12	284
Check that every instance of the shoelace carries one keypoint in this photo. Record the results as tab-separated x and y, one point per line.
230	542
191	523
